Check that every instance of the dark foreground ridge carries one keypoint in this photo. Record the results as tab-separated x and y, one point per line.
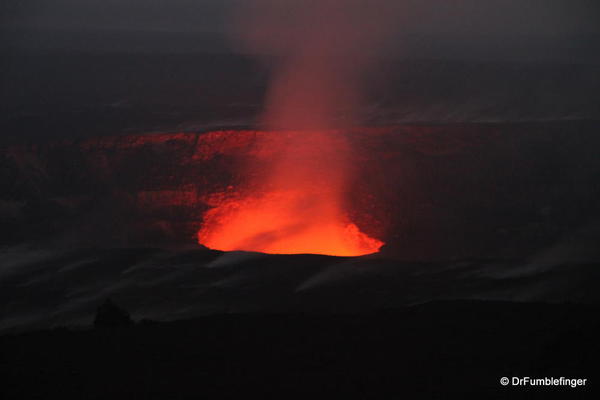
430	350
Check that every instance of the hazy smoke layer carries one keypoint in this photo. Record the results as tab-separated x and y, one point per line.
323	52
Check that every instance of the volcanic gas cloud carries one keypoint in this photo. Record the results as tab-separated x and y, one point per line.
297	203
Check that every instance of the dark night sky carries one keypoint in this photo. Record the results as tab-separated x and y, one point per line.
564	30
532	17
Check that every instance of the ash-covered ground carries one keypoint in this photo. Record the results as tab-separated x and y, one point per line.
45	288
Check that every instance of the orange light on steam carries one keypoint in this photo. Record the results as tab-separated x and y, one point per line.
295	205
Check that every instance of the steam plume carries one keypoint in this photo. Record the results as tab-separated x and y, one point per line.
320	52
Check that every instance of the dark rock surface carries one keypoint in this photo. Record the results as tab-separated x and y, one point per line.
42	289
435	350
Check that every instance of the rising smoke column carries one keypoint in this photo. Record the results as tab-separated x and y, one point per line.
321	51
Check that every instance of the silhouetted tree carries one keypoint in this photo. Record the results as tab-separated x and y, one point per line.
109	315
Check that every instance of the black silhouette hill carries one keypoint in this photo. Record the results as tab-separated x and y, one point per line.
434	350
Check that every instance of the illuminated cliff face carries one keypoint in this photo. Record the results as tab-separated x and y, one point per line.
298	207
182	188
158	189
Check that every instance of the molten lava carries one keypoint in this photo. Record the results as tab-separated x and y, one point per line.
291	222
299	208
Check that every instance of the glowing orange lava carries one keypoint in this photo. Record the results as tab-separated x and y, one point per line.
290	222
299	208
